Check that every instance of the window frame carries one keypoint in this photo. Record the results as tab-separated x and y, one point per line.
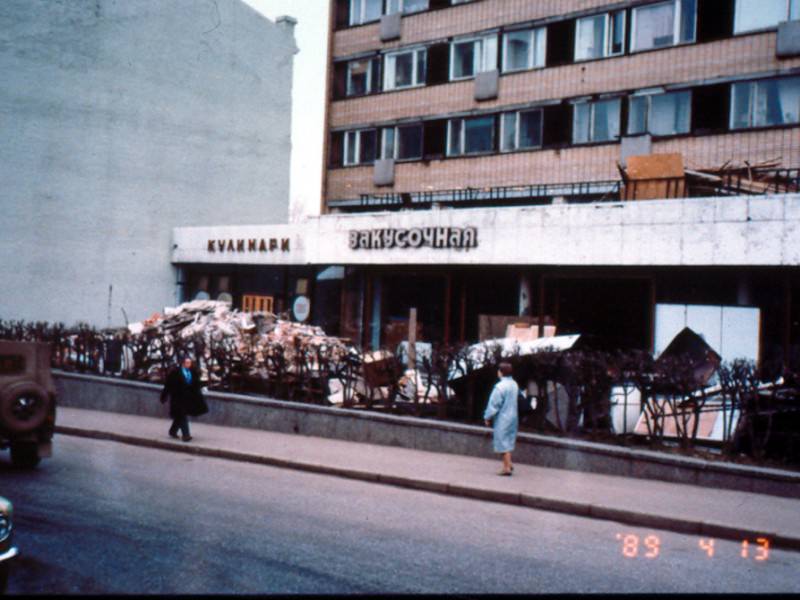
348	77
353	22
357	133
791	12
592	104
608	29
395	133
751	104
534	61
478	58
648	96
463	135
678	6
402	7
415	75
517	116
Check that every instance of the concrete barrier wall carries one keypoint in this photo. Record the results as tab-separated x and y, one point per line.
235	410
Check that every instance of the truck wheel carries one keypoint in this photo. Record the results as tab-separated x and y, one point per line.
23	407
25	455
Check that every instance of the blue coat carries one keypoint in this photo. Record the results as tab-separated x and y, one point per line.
502	407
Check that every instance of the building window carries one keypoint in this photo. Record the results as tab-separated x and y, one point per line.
471	56
660	114
470	136
751	15
404	69
596	121
524	49
359	77
403	142
521	130
764	103
359	147
405	6
664	24
364	11
600	35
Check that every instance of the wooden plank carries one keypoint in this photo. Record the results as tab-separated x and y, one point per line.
655	166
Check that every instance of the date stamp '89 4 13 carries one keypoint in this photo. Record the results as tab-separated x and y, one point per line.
649	547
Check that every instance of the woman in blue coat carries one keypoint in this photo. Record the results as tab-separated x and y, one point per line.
502	409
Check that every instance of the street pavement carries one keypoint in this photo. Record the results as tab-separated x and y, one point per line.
716	513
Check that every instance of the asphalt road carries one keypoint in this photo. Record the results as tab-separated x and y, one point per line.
102	517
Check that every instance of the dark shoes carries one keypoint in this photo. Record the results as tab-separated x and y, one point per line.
172	434
186	438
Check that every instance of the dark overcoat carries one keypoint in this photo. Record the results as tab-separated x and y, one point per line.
184	398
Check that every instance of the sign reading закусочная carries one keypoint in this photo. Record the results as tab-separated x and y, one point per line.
416	237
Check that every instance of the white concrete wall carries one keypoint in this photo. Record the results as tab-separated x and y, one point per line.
755	231
120	120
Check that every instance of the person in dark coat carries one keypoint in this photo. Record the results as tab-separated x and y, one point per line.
184	389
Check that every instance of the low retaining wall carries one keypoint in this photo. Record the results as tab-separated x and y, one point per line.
235	410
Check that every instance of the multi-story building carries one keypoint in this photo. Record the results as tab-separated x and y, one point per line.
495	93
120	121
475	157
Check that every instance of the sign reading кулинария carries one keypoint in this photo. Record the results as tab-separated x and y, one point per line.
417	237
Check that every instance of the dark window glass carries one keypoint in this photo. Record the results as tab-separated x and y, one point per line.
714	20
368	146
339	80
438	63
478	135
560	43
530	129
710	108
409	141
434	138
337	147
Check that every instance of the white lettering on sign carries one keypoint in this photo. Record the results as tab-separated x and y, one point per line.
417	237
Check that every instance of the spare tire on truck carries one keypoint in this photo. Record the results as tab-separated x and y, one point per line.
24	407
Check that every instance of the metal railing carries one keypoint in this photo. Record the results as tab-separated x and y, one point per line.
740	181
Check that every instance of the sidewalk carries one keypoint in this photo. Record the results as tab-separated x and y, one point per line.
717	513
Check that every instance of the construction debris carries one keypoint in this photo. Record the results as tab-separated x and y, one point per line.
763	177
255	339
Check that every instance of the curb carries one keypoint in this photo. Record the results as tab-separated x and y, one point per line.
579	509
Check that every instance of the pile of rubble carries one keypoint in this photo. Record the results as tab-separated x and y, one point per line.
252	338
763	177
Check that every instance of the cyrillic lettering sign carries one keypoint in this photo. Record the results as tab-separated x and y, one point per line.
416	237
249	245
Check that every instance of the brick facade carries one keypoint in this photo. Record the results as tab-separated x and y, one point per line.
747	56
590	163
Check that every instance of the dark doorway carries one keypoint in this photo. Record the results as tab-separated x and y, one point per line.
615	311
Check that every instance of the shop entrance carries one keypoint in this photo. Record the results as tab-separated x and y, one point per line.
618	312
393	297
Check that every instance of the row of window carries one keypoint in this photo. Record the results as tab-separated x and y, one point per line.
358	12
733	106
658	25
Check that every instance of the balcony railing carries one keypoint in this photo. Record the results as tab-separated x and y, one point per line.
695	184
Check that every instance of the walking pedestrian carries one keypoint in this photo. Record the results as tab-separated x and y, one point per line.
184	389
501	414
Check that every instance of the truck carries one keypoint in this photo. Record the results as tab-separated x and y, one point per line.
27	402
